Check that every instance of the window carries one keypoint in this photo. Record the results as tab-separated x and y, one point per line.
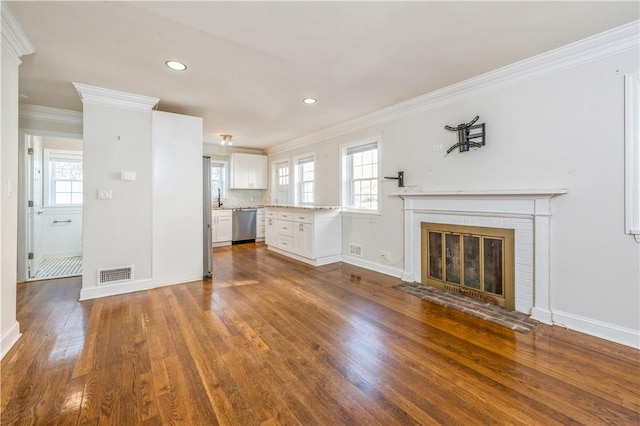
305	179
360	176
64	178
632	154
281	182
218	179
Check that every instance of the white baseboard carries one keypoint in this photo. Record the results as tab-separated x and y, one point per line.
541	315
114	289
9	339
221	244
614	333
366	264
408	277
185	281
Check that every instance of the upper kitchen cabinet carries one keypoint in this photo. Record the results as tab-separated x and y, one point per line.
248	171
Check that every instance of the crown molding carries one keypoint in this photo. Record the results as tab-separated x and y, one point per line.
37	112
13	38
107	97
608	43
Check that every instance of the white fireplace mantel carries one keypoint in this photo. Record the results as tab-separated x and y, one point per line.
496	206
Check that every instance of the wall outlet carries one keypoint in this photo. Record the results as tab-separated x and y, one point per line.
386	256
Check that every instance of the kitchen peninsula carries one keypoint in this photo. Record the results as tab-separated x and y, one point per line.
310	234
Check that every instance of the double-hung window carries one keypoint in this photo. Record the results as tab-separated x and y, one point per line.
360	176
218	179
64	178
305	179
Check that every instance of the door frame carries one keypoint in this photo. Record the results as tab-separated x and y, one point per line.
23	169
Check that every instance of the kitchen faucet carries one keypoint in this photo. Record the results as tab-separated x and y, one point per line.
219	201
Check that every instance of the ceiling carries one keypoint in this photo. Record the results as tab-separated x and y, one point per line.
250	64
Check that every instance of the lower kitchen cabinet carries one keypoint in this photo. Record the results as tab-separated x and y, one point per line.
310	235
260	225
221	227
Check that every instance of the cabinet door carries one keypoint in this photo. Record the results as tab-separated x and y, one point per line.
260	224
303	239
271	232
224	228
248	171
258	176
239	176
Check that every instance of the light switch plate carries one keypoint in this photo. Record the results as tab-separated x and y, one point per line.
104	194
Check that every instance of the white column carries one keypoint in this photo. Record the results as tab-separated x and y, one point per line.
409	243
541	298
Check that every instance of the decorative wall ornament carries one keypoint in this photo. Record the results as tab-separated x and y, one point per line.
469	135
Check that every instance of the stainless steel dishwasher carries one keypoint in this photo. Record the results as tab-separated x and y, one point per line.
244	226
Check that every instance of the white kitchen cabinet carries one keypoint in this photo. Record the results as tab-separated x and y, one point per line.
248	171
221	229
303	239
310	235
260	225
271	231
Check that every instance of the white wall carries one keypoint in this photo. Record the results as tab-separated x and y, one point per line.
177	198
560	130
117	232
9	327
14	45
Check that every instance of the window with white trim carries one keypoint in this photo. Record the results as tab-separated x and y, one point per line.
281	182
360	171
632	154
218	179
64	178
305	179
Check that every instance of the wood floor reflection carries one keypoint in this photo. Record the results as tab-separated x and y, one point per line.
272	341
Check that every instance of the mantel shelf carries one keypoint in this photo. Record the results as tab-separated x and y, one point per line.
480	193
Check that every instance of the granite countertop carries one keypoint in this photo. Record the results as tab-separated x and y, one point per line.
280	206
291	206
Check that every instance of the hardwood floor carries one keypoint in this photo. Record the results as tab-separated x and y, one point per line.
271	341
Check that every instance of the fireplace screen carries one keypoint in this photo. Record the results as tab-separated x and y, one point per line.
476	261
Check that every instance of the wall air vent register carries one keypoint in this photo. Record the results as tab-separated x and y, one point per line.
115	275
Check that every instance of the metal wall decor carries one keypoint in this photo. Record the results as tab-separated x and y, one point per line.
469	135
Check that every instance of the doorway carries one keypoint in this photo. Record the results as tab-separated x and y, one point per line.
52	183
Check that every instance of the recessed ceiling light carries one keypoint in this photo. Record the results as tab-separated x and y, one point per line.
175	65
309	101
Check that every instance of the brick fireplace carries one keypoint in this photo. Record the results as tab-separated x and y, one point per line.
526	212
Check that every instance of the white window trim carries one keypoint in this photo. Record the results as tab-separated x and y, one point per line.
345	178
298	180
632	154
225	189
46	170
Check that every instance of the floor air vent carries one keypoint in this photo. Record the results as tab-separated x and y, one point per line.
355	250
106	276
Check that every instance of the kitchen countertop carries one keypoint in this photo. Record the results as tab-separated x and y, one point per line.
291	206
280	206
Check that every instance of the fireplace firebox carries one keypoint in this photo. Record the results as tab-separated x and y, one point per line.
471	260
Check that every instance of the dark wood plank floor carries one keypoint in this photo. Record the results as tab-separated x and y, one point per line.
271	341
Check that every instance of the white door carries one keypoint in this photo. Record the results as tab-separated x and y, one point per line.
35	201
